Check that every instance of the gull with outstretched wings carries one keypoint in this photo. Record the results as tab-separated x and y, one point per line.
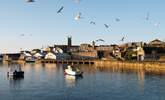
60	10
106	25
92	22
30	1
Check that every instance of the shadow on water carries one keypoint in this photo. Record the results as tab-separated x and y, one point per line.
15	83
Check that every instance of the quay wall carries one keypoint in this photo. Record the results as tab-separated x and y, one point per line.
156	67
147	66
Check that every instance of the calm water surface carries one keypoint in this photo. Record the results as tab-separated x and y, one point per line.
48	82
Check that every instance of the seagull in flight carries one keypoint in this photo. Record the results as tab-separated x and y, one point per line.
59	11
30	1
122	39
106	26
157	24
117	20
22	35
92	22
147	16
78	16
100	40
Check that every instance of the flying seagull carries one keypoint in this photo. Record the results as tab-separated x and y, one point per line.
106	26
78	16
59	11
117	19
30	1
92	22
100	40
157	24
147	16
122	39
22	35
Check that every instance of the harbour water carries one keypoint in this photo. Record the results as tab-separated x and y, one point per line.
48	82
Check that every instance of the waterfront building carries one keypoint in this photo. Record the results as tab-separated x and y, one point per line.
108	51
62	56
38	56
140	54
156	43
134	53
11	57
155	50
50	55
86	47
83	55
27	57
34	51
115	51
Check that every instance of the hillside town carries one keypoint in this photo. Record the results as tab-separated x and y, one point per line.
133	51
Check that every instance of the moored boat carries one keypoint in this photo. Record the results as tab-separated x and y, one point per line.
30	60
73	72
15	71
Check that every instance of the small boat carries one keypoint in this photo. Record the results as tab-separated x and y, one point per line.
73	72
15	72
30	59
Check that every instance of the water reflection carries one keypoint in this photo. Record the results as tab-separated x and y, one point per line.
48	81
141	79
111	69
15	83
118	72
72	80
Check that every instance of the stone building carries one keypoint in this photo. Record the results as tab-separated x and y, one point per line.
154	50
12	57
134	53
156	43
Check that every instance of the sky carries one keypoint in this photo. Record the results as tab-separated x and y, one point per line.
25	26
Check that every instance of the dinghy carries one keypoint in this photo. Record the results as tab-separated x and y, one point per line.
73	72
15	71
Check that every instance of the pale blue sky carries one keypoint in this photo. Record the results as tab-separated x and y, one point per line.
47	27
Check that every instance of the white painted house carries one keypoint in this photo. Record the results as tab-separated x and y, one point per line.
57	50
28	57
27	54
38	55
50	56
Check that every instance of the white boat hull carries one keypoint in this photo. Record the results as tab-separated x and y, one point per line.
73	73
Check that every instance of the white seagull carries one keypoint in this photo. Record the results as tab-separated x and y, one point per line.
157	24
78	16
